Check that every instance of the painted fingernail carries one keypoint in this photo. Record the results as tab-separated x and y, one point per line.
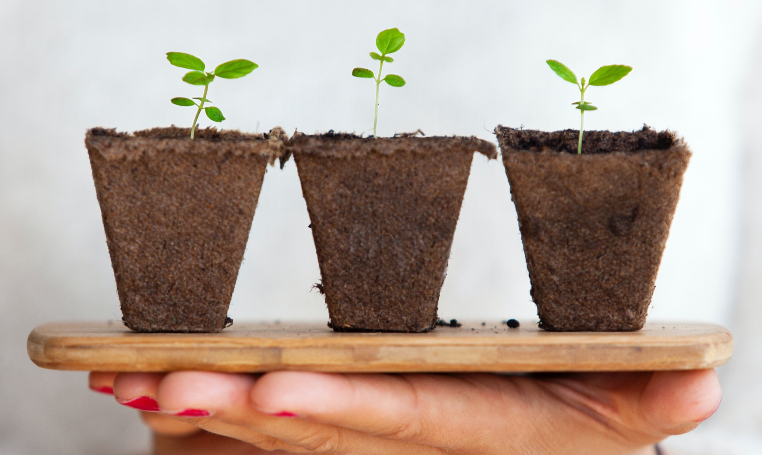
190	413
147	404
287	414
105	389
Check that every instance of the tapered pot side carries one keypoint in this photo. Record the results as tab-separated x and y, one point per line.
177	214
594	225
383	214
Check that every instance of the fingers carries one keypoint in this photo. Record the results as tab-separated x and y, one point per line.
675	402
446	411
226	399
138	391
640	408
102	382
594	413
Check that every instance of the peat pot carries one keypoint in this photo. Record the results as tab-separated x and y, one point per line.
383	214
593	225
177	214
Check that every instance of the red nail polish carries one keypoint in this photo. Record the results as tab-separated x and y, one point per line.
192	413
147	404
283	414
105	389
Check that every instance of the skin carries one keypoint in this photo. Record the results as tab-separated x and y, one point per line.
301	412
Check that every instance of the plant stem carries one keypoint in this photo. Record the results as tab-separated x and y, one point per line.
378	84
200	107
582	124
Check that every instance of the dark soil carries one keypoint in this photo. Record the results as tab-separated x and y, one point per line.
383	214
177	214
593	142
593	226
453	323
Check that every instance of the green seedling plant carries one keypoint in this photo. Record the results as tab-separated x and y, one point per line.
233	69
605	75
387	42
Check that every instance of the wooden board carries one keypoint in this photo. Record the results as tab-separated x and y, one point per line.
256	347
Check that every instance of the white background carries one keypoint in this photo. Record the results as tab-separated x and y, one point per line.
469	66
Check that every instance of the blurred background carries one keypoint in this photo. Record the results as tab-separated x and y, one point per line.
66	66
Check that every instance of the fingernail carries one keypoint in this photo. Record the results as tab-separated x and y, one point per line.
190	413
105	389
147	404
712	413
286	414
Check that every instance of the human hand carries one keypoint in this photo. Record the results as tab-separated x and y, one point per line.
299	412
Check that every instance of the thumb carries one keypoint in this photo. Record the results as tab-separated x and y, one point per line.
676	402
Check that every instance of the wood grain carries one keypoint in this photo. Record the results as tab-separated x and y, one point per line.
257	347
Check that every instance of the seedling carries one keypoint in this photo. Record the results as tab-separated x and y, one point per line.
229	70
387	42
605	75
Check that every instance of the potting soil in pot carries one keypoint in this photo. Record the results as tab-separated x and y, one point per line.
594	225
383	214
177	214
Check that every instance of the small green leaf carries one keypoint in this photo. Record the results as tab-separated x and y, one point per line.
390	41
375	56
186	61
198	78
587	107
235	69
203	99
362	72
214	114
561	69
182	102
607	75
394	80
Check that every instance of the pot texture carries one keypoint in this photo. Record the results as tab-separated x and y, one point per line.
177	214
594	225
383	214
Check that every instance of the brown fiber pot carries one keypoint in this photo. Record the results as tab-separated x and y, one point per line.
177	214
383	214
594	225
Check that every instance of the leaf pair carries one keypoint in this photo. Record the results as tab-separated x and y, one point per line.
605	75
228	70
214	113
391	79
585	106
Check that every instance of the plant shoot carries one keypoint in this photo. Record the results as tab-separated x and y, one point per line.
229	70
605	75
387	42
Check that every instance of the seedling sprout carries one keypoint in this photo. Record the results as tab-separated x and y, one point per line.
605	75
233	69
387	42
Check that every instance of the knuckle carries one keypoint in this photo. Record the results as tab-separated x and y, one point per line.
324	440
406	431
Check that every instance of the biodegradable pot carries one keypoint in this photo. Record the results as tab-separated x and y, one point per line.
177	214
594	225
383	214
